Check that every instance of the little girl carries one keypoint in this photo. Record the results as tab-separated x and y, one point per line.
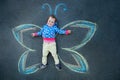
48	32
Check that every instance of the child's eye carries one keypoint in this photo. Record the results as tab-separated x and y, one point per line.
52	22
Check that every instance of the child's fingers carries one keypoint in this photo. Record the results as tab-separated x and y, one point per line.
69	31
33	35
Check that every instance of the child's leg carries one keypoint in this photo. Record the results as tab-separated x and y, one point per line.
45	53
54	52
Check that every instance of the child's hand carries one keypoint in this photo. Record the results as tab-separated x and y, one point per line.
33	34
69	31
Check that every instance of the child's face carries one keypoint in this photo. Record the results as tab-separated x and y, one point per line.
51	21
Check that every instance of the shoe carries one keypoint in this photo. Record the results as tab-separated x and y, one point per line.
58	66
43	66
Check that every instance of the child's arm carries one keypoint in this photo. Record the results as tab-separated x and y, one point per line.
36	34
60	31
